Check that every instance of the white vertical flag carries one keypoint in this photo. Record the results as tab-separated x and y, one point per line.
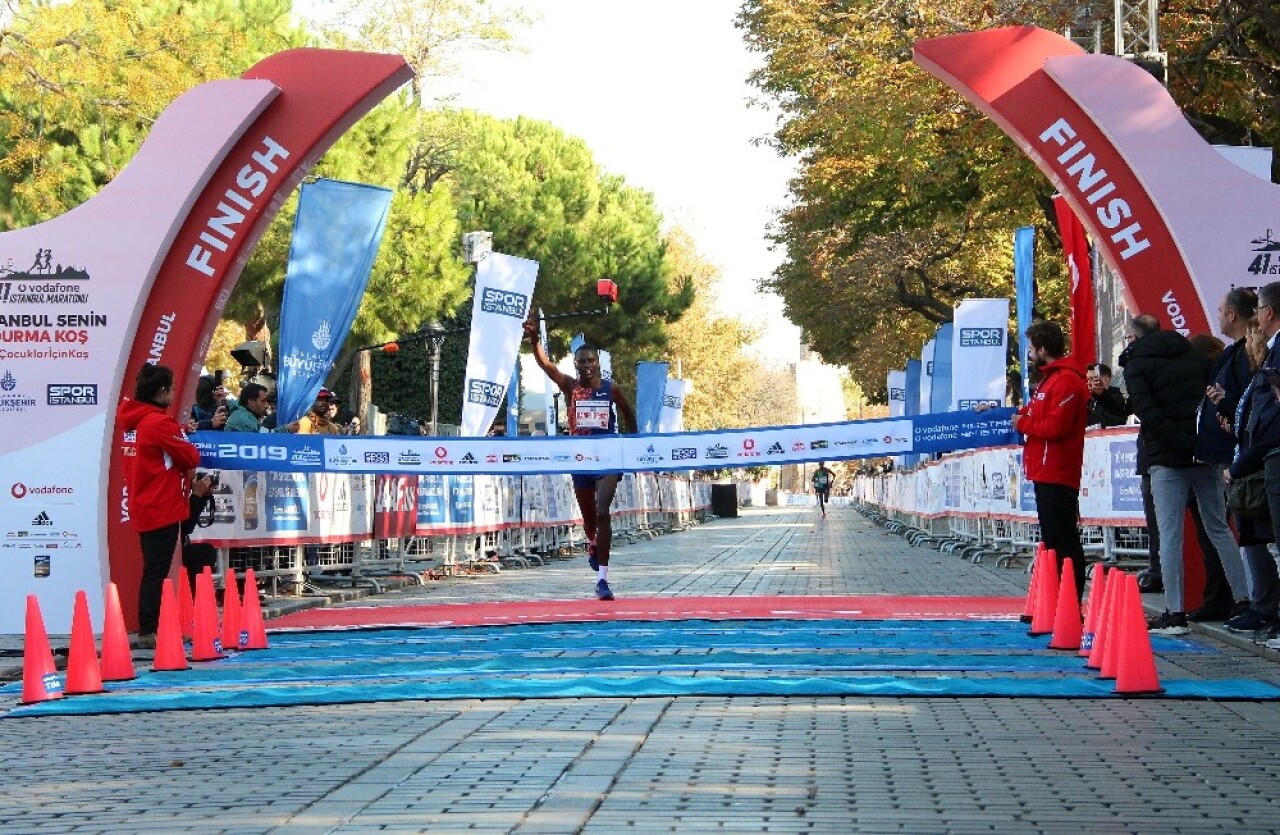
672	416
897	393
926	378
979	353
504	285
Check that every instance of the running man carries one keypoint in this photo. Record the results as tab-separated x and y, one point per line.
822	479
590	401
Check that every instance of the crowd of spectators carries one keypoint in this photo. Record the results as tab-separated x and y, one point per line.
1208	414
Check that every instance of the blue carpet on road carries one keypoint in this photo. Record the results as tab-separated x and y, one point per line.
631	659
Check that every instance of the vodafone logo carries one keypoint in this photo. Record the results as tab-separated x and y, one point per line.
441	452
19	490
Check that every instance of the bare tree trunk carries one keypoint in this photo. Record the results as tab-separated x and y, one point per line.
362	388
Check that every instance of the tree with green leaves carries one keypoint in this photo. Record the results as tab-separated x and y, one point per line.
907	196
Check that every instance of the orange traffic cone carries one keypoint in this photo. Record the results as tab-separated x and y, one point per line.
233	635
40	682
1136	673
1037	564
206	644
84	676
117	661
1066	619
170	654
1102	626
1115	610
1097	588
1046	596
253	630
186	606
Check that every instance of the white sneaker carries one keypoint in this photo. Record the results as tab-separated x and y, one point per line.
1274	643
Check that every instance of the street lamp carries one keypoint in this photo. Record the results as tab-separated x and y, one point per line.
435	334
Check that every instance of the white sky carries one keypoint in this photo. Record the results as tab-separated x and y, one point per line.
658	91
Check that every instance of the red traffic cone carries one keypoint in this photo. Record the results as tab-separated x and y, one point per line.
186	606
1046	596
1037	565
117	661
40	682
1115	609
206	644
233	635
1097	588
1066	620
84	676
1102	626
170	654
253	628
1136	672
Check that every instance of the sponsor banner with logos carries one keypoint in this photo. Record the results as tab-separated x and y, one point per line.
504	286
335	238
72	291
922	434
265	508
990	482
978	345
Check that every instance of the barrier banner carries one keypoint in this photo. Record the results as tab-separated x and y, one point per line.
940	384
672	419
504	286
1024	292
989	483
978	353
651	390
395	510
335	239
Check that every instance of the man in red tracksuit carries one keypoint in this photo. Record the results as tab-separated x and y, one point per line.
1053	455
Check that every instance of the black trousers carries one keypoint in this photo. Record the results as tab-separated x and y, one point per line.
157	557
195	556
1058	507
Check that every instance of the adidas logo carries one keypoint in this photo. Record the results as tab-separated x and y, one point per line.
42	519
776	449
468	459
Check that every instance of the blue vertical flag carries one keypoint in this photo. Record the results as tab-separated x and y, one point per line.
1024	288
651	388
914	372
940	393
335	239
513	401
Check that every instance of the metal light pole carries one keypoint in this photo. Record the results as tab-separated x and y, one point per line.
435	337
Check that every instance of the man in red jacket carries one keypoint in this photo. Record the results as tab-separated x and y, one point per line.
1053	455
158	464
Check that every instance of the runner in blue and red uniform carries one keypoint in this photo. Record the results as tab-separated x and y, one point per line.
591	403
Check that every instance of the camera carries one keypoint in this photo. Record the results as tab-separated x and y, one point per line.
214	478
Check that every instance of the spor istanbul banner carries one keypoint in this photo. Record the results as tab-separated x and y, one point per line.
978	353
504	286
411	455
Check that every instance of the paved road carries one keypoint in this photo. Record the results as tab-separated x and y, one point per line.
832	765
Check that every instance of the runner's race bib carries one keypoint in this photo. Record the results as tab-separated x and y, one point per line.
591	414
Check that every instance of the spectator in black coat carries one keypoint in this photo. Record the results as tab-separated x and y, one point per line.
1167	379
1107	405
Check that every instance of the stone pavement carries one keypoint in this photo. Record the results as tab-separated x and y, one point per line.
834	765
